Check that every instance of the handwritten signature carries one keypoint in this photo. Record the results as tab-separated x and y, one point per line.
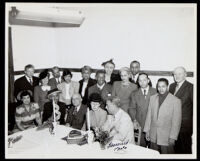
118	146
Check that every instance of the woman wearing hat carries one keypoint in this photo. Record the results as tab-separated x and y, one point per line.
68	88
40	91
124	88
98	116
60	108
109	67
26	113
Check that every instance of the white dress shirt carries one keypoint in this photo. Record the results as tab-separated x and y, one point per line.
67	85
146	90
28	79
135	77
58	80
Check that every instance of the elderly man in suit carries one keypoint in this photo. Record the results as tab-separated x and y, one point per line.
118	123
57	79
27	82
101	87
184	91
163	119
77	113
139	104
85	83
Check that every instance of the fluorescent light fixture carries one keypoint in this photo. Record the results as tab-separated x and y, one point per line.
49	17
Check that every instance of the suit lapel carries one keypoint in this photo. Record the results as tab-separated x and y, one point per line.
181	89
162	106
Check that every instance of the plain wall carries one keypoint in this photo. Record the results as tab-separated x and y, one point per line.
161	37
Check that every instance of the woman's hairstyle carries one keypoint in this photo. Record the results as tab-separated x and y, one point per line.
115	100
25	93
109	61
86	68
44	74
66	72
163	80
125	69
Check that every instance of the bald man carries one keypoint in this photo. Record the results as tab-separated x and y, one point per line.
77	113
183	89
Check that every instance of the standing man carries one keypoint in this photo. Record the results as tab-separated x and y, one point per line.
135	69
139	104
184	91
77	113
163	119
27	82
53	82
101	87
85	83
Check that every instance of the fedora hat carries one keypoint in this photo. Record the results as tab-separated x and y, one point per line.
53	91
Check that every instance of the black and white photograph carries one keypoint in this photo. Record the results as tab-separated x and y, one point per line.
100	80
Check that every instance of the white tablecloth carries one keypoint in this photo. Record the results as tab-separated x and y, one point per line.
41	144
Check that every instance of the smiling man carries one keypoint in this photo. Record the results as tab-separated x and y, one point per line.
163	119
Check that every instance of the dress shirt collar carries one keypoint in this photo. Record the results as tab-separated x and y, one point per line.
58	79
78	108
147	90
101	87
28	79
180	84
135	77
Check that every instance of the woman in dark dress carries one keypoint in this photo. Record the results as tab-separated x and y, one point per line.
110	76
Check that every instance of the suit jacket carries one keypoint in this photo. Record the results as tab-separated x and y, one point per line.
73	89
114	77
23	84
91	82
185	93
105	92
77	121
140	105
48	110
53	83
164	122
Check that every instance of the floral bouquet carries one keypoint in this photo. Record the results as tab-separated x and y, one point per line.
102	137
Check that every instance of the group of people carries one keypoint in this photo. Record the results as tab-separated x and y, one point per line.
118	103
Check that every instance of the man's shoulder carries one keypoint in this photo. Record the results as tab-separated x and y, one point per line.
173	98
152	90
190	85
20	79
35	78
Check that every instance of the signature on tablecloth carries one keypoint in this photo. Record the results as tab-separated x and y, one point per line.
119	147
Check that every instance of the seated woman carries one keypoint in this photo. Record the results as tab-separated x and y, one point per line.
40	91
60	108
110	77
68	88
98	116
26	113
124	88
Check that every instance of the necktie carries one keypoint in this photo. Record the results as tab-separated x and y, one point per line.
177	87
145	93
75	111
30	80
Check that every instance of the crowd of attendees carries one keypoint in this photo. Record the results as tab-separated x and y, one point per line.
119	102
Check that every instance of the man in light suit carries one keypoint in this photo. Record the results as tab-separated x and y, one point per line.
163	119
118	123
139	104
57	79
27	82
184	91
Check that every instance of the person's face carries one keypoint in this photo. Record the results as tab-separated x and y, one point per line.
179	75
124	76
143	81
56	73
45	81
135	68
100	78
110	107
26	100
86	75
95	106
54	97
162	87
109	67
76	101
29	72
67	78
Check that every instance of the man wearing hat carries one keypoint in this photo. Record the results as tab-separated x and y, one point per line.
60	107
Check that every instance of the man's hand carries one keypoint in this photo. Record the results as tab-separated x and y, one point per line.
171	142
147	136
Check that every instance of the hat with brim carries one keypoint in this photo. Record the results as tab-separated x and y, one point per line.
95	97
53	92
19	94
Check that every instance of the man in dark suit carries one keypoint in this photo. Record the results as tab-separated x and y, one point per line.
139	104
101	87
184	91
27	82
77	113
135	69
53	82
60	108
85	83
